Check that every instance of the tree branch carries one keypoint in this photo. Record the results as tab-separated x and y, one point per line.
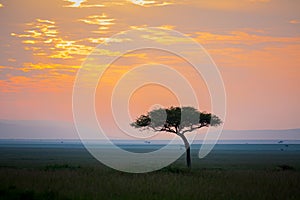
167	129
194	128
154	129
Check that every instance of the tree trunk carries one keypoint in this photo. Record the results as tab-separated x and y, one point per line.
188	157
187	150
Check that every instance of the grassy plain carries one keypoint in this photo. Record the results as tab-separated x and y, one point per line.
72	173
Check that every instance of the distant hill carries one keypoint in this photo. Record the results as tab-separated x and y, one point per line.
285	134
37	130
10	129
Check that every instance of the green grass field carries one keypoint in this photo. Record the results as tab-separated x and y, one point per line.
32	173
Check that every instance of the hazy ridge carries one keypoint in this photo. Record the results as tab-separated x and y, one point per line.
34	129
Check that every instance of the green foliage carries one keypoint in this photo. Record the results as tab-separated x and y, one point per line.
143	120
176	120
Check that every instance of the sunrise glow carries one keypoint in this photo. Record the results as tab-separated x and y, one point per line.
256	50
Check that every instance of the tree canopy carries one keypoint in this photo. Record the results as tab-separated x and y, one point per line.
176	120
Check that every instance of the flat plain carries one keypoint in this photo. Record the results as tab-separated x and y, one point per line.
228	172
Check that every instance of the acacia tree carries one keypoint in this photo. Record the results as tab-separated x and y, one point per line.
178	121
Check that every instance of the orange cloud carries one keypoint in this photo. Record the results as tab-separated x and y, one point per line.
39	29
239	37
19	79
69	48
43	39
81	4
75	3
294	21
45	21
31	75
41	66
11	60
160	36
5	67
39	33
212	4
14	84
149	3
259	1
28	42
91	4
102	21
38	77
168	27
283	57
5	87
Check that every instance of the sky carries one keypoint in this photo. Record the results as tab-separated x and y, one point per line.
254	43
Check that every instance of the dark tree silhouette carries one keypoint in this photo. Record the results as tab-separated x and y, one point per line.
178	121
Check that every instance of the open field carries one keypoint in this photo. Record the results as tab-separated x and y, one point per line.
72	173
